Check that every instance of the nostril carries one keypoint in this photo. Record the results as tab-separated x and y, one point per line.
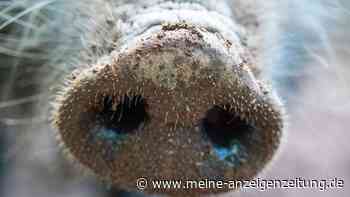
121	116
222	126
227	132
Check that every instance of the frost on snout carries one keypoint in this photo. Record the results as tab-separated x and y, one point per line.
180	103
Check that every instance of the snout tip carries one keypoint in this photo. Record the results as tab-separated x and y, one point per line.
181	104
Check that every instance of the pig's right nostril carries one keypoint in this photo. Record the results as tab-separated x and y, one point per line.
116	119
124	116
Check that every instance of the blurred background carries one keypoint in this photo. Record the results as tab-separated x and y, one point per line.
307	61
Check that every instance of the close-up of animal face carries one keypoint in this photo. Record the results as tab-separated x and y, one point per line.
170	98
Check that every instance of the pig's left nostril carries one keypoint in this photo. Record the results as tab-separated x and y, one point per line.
227	131
222	126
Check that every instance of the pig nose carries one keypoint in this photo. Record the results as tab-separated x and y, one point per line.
180	102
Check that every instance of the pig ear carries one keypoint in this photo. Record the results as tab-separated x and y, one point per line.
246	12
250	14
